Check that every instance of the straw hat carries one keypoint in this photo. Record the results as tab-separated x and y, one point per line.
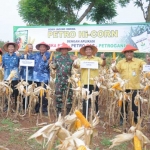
5	47
94	49
63	45
42	43
129	48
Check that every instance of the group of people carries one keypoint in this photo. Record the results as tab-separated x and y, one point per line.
129	68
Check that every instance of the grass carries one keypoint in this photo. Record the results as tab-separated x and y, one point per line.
17	138
107	143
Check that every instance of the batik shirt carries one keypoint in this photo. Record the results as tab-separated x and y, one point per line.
63	68
30	56
9	63
41	72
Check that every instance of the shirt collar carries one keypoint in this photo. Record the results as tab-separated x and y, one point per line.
133	59
13	54
65	56
87	57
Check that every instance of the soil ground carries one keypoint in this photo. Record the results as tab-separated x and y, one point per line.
14	132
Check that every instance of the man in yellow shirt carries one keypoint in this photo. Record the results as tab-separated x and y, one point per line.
89	52
130	69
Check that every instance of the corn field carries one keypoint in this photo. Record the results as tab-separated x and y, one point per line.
74	131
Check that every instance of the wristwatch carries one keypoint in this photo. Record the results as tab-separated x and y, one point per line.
104	58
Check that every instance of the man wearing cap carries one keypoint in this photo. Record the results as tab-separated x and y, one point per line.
130	69
88	52
41	72
10	61
63	65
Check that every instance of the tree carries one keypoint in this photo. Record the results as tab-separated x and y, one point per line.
1	45
144	5
63	12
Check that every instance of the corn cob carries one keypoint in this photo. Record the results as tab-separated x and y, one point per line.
76	53
81	147
83	120
26	48
7	90
117	86
52	54
0	58
77	124
114	56
41	92
137	143
146	87
120	103
79	83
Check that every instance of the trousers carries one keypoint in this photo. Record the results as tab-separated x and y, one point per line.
91	87
134	107
44	101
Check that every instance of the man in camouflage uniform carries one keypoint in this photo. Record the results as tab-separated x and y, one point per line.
63	65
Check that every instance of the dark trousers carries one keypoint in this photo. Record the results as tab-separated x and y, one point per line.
134	107
29	82
15	91
91	87
44	101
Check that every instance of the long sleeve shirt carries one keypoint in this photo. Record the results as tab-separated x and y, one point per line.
41	71
9	63
63	68
30	56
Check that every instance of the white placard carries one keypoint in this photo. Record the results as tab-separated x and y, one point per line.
89	64
26	62
146	68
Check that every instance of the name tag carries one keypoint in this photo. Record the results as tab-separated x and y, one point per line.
133	73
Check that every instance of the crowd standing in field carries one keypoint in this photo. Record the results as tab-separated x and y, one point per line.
128	68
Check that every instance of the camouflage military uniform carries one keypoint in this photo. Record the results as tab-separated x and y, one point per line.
63	71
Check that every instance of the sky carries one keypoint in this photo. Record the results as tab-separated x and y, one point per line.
9	17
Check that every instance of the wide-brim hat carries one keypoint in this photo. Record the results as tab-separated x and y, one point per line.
94	49
42	43
62	46
129	48
5	47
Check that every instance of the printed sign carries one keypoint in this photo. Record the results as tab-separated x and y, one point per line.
25	62
107	38
89	64
146	68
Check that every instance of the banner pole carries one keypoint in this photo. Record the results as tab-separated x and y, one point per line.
26	98
87	102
